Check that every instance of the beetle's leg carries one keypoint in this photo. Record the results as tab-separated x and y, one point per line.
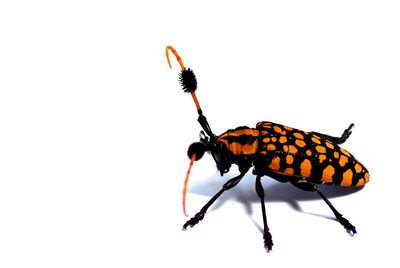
305	186
336	140
200	215
267	235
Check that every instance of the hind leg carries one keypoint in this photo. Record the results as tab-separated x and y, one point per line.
309	187
336	140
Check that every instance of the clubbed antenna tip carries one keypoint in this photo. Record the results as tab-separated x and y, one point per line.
188	80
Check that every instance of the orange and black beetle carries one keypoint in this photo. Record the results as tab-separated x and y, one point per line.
283	153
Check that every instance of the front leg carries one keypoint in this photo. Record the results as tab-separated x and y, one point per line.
200	215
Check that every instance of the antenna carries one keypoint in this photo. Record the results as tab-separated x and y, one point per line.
188	82
193	158
196	150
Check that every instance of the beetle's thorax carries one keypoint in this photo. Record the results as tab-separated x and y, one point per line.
241	140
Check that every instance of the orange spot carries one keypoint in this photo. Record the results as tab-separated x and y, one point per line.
273	139
271	147
289	159
292	149
343	160
289	171
288	128
344	151
315	140
239	149
279	130
347	178
300	143
305	168
322	158
285	148
266	140
320	149
298	135
327	174
329	145
366	177
264	132
266	123
358	168
250	148
336	154
275	163
360	182
283	139
308	152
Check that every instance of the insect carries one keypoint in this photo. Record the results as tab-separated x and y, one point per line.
305	159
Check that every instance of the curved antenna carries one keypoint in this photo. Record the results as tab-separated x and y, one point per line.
176	55
186	183
189	73
189	84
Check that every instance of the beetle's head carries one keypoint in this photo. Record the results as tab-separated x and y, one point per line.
219	152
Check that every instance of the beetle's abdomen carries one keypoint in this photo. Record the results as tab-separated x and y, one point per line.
296	153
240	141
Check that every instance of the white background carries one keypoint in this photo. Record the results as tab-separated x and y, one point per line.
94	130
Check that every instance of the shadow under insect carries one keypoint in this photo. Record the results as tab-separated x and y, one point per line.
275	191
